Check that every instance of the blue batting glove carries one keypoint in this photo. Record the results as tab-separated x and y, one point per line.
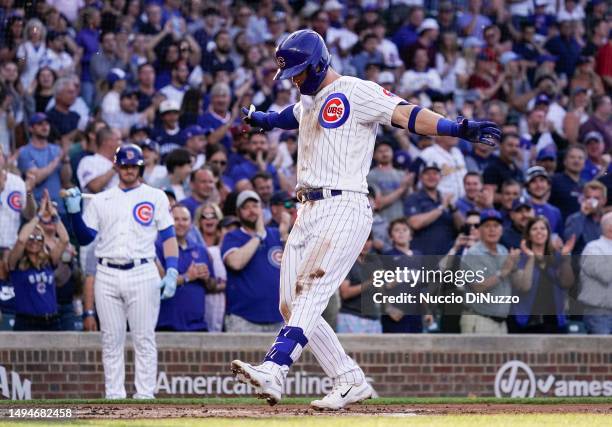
256	118
72	200
168	284
484	132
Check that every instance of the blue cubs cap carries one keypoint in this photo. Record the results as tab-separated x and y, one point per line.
193	130
139	127
38	118
429	165
114	75
490	214
521	202
401	158
149	144
546	154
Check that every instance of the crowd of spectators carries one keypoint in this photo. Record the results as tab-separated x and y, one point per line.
80	77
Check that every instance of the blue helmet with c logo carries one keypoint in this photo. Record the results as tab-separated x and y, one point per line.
303	50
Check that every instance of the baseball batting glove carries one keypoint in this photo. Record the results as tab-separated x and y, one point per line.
168	284
72	200
484	132
256	118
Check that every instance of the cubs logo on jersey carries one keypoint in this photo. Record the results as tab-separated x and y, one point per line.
14	201
275	255
143	213
388	93
335	111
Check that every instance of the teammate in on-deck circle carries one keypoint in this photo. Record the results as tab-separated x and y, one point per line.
337	117
127	220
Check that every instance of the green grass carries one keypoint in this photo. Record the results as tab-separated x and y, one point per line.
535	420
307	400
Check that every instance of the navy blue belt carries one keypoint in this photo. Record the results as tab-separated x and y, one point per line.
313	194
127	266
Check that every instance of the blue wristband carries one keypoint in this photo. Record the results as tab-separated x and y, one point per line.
447	128
172	262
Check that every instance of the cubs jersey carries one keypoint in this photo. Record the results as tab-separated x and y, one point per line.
338	128
12	201
34	291
127	222
91	167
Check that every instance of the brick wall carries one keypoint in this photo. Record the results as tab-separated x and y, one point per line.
69	365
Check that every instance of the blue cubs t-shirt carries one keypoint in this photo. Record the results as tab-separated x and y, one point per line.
552	214
34	291
32	157
253	292
185	310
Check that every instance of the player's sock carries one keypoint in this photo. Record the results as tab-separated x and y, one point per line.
287	347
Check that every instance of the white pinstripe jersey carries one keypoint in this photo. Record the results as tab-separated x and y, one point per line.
91	167
127	222
12	201
337	133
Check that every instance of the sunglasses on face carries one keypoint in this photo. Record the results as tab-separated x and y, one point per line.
36	237
209	215
218	162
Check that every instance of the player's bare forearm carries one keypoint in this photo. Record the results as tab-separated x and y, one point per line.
426	121
171	247
88	293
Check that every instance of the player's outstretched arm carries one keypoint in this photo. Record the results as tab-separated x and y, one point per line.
425	122
268	121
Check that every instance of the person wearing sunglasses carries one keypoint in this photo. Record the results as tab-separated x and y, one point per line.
208	221
31	266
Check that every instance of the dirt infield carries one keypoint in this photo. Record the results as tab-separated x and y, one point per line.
145	411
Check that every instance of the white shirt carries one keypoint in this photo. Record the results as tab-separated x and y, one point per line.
337	131
32	58
127	222
156	174
111	103
91	167
122	120
12	201
62	63
413	81
174	93
390	54
452	165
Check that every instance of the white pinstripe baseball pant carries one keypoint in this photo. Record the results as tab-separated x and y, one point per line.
323	245
131	295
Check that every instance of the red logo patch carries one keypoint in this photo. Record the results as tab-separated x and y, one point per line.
386	92
14	201
333	110
143	213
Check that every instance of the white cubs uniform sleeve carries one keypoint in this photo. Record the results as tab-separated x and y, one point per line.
297	111
91	167
12	201
337	132
375	104
127	222
163	219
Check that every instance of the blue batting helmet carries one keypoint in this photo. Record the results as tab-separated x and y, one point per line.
303	50
129	155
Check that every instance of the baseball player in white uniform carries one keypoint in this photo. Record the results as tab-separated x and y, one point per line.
338	118
127	220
